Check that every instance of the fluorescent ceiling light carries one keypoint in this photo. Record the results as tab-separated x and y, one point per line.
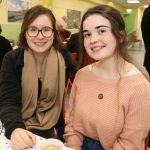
133	1
145	6
129	11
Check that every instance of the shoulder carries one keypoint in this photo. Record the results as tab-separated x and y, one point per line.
138	86
83	73
14	57
146	14
15	53
3	40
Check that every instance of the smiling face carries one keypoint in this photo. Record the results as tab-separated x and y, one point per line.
99	41
39	43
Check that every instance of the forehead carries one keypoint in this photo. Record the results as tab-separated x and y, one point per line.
42	20
95	20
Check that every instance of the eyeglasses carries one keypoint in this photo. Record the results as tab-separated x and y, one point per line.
45	31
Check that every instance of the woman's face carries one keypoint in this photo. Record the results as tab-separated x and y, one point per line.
43	40
99	41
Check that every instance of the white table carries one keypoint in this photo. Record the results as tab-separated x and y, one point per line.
5	143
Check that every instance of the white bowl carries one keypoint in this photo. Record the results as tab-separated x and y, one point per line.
55	144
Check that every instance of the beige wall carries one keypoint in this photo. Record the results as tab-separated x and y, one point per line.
59	7
3	14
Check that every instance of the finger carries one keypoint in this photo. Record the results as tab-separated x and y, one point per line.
27	139
32	137
20	139
17	145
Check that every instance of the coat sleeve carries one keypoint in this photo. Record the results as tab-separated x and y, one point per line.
10	96
72	137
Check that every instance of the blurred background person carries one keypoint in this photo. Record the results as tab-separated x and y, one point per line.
145	28
5	46
61	27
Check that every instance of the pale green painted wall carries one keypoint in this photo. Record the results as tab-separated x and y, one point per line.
11	31
129	22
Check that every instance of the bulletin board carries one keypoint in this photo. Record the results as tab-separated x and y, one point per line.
74	18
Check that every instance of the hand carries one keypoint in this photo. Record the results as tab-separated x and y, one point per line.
22	139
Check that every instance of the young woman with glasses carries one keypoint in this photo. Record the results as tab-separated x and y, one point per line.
32	80
110	99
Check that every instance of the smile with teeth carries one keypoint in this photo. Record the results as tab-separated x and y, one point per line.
97	48
39	43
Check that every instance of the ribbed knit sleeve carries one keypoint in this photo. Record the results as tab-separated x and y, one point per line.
137	121
73	138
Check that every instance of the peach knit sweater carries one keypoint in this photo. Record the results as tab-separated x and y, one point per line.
115	112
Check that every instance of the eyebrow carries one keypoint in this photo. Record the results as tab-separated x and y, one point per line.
41	28
97	27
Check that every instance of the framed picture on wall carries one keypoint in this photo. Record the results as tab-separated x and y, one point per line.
74	18
16	10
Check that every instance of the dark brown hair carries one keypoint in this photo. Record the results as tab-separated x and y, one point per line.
117	28
29	17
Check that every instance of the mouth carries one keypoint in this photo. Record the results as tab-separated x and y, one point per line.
39	43
97	48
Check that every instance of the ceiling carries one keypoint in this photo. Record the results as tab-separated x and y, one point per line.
125	4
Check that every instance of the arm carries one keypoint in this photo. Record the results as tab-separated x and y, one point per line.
10	96
73	138
137	121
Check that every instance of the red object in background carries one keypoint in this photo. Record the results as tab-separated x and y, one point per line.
64	34
134	37
74	55
87	60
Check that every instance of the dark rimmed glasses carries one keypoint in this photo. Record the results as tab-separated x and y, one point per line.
34	31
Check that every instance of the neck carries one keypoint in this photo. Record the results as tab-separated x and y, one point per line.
110	69
39	59
109	65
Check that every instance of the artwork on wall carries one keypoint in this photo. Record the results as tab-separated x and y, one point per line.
74	18
16	10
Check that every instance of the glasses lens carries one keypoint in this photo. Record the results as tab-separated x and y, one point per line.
32	31
47	31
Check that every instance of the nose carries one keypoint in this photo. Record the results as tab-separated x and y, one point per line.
40	35
94	37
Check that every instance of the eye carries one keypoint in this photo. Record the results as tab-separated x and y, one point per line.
86	34
32	29
46	29
101	31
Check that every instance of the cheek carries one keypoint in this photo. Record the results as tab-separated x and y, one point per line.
28	40
51	39
86	44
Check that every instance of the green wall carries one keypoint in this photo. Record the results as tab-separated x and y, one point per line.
129	22
11	31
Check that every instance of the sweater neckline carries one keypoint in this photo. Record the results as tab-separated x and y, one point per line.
134	72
